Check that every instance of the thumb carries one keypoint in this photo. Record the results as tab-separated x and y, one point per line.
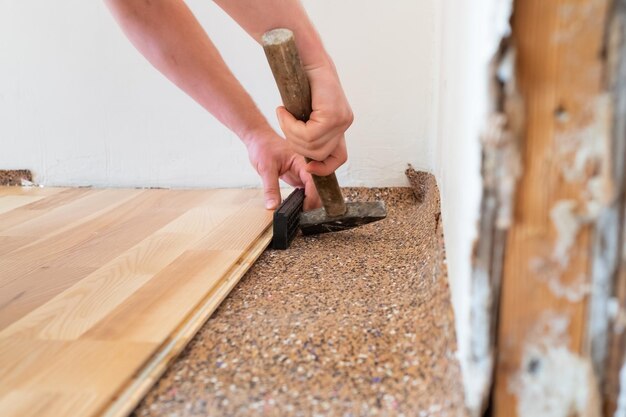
285	119
271	189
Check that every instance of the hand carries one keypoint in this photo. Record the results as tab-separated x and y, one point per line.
322	137
272	158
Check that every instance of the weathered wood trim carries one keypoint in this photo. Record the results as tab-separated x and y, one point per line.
500	169
546	358
608	315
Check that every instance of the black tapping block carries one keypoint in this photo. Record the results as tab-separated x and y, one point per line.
287	219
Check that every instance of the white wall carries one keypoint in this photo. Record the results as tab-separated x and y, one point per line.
470	34
78	105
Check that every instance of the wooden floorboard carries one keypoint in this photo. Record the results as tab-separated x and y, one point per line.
100	289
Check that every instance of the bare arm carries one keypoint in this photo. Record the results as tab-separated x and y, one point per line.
322	138
258	16
170	37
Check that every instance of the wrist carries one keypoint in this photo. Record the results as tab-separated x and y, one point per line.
255	134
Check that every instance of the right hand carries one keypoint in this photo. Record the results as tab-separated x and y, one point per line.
322	137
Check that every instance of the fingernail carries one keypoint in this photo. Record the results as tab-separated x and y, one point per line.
270	204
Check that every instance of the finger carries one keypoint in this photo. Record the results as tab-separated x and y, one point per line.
271	190
311	197
290	125
312	139
330	164
323	168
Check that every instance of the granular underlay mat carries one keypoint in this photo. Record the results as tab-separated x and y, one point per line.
357	323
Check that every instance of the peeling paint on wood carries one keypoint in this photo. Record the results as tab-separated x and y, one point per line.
565	188
553	381
607	312
501	168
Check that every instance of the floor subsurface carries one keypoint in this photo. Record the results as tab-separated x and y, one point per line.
355	323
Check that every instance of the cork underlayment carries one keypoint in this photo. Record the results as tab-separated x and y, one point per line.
355	323
15	176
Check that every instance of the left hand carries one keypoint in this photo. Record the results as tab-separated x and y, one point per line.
272	158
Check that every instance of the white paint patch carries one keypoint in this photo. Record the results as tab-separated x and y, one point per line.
480	361
621	399
550	274
586	151
554	381
567	224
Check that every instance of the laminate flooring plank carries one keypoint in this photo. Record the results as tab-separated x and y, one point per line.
99	237
11	243
67	365
33	191
59	198
78	308
20	403
17	216
154	310
96	283
58	220
245	225
141	382
21	297
94	243
11	202
99	367
39	207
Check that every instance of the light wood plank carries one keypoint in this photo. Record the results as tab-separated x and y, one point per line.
69	215
20	403
33	191
74	311
23	296
88	312
11	243
150	309
11	202
83	365
91	370
152	371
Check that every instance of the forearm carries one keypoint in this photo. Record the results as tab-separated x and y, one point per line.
170	37
258	16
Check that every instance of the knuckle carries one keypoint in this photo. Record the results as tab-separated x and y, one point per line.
319	155
311	147
349	117
346	117
326	170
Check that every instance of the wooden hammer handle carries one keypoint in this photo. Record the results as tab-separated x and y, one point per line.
293	84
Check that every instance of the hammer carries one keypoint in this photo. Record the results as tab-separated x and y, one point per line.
335	215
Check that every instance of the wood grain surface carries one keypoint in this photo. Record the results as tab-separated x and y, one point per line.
544	303
101	288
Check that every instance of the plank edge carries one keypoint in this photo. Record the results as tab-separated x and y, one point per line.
130	396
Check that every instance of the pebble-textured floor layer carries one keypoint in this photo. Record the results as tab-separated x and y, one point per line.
356	323
15	176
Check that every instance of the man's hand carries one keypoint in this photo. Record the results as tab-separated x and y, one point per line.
273	159
322	137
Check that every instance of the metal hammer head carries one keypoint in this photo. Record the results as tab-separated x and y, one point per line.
357	214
